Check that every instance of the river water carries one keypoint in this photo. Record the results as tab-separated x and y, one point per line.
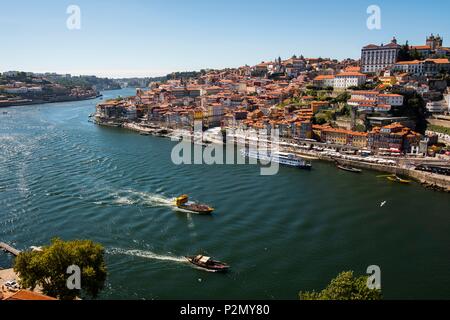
61	176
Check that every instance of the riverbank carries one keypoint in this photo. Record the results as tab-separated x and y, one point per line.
27	102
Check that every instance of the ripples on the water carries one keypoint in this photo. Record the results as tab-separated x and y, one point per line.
62	176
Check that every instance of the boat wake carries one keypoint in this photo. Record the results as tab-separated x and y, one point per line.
153	256
147	255
131	197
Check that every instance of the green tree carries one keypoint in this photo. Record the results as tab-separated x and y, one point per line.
343	97
415	55
319	119
414	108
404	53
48	268
345	287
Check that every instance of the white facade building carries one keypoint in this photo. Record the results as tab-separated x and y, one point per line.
395	100
346	80
324	81
16	90
376	58
423	67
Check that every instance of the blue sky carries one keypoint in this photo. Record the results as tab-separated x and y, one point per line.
154	37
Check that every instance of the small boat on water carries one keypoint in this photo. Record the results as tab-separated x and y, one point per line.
183	202
208	263
396	178
349	169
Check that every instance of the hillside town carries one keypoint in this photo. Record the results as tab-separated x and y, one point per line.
24	88
394	101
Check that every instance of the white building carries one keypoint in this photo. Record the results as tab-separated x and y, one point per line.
364	95
216	111
16	90
395	100
376	58
346	80
324	81
423	67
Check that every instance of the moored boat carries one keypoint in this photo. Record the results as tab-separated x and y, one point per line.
287	159
208	263
183	202
348	168
396	178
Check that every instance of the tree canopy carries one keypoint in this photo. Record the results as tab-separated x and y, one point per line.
48	268
414	107
345	287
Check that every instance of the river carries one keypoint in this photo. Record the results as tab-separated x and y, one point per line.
62	176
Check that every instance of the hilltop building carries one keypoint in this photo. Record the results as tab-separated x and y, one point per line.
377	58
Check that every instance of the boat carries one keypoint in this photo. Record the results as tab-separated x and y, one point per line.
207	263
395	178
183	202
283	158
348	168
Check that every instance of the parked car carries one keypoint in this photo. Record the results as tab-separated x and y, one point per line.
13	285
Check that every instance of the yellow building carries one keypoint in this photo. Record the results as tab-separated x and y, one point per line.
335	136
388	81
359	140
198	114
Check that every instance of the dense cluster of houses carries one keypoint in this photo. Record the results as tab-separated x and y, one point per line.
274	95
21	88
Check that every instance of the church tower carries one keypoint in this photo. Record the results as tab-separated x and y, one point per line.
434	42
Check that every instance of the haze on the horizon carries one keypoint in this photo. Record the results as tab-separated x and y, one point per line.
139	38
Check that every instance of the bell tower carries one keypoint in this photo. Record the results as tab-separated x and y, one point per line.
434	42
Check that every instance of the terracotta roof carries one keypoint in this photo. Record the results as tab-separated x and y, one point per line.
409	62
353	69
421	47
438	61
350	74
29	295
390	45
365	92
324	77
390	95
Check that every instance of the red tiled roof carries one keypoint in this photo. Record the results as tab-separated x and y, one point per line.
421	47
29	295
350	74
324	77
